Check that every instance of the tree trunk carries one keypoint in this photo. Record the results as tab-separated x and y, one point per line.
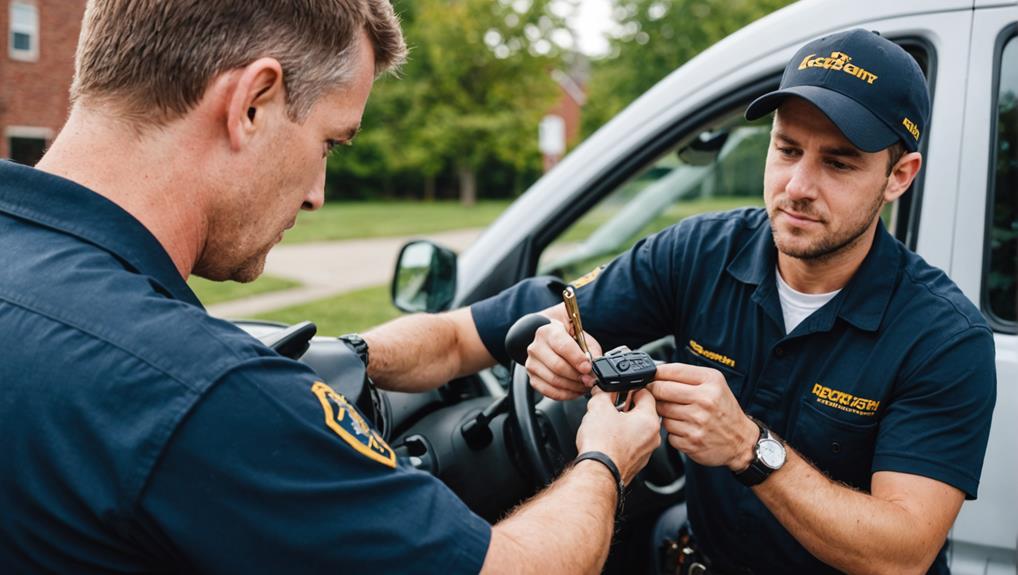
429	188
468	185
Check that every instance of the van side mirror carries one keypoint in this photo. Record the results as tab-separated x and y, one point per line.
425	278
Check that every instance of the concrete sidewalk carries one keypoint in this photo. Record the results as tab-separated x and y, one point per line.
330	268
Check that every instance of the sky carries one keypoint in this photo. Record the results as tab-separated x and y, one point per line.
591	21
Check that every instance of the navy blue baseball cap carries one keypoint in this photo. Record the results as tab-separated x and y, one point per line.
871	88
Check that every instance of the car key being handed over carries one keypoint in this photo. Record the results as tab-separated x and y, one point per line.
618	371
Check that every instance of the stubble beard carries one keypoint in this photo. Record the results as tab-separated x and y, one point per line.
250	270
828	246
245	271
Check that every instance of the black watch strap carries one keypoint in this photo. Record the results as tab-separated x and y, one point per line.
357	343
757	471
620	487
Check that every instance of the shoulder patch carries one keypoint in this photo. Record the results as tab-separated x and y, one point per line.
349	425
588	277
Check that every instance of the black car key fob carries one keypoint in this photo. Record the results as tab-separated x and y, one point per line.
624	370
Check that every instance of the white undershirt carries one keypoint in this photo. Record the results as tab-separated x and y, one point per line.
797	306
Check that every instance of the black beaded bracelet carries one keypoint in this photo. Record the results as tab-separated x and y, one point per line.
607	462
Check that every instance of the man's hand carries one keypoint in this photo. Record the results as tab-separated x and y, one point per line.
702	417
627	437
567	528
557	366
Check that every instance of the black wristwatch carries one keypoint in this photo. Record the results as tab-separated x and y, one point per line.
357	343
768	456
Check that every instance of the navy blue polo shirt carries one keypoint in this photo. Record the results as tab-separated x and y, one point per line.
895	373
141	434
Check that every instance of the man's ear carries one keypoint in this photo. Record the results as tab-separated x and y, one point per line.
257	89
902	175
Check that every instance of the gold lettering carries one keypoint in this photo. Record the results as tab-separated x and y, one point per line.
712	355
844	401
838	61
911	127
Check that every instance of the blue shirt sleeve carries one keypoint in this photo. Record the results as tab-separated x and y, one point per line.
255	480
938	423
632	302
494	316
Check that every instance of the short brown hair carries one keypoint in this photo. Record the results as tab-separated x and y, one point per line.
154	59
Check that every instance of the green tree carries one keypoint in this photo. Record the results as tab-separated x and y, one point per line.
654	37
471	94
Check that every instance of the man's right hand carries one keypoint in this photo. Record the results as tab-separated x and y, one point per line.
627	437
557	366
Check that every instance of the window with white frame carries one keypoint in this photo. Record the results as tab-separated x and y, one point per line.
24	37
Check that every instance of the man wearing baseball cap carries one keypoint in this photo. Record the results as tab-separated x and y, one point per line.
832	390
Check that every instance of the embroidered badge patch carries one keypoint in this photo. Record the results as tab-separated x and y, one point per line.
588	277
346	421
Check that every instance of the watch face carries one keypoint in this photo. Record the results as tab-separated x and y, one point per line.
771	453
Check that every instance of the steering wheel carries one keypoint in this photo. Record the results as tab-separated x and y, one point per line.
541	456
538	425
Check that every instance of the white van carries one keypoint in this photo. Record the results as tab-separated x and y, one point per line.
684	147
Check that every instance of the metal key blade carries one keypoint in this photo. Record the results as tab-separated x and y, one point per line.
622	400
573	311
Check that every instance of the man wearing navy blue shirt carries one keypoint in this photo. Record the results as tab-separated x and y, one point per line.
142	435
833	391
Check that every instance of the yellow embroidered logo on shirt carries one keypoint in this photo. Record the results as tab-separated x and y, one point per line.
588	277
845	401
711	355
346	421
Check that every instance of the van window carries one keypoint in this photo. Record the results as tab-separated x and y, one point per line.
1002	277
720	168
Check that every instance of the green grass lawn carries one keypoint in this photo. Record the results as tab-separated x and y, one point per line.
349	312
343	221
210	292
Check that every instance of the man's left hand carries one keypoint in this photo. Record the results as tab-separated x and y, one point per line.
702	417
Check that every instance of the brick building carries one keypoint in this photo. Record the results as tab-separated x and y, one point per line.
560	128
36	67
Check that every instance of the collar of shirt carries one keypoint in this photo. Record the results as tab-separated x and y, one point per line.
862	302
63	205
